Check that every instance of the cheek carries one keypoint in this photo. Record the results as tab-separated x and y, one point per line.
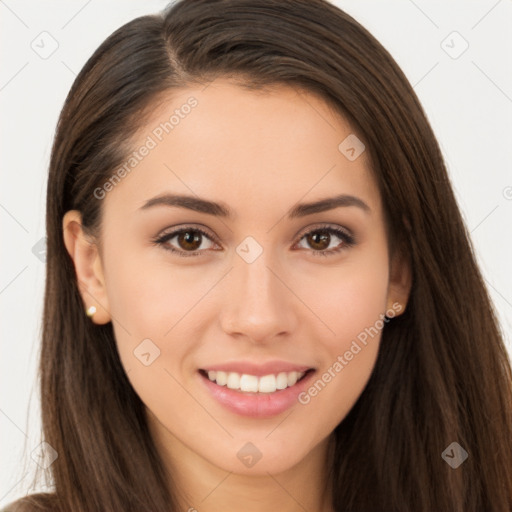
150	304
151	300
360	303
353	307
349	298
148	296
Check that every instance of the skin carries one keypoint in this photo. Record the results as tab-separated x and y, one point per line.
259	153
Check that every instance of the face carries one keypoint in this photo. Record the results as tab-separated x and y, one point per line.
248	328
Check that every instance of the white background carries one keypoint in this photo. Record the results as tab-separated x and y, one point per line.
467	99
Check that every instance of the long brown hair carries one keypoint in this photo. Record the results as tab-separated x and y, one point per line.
442	374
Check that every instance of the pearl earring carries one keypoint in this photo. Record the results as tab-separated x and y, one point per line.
90	311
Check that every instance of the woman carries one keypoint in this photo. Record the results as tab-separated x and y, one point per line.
252	136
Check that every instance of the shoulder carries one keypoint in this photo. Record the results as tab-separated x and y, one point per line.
39	502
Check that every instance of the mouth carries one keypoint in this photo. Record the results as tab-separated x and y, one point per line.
256	396
254	384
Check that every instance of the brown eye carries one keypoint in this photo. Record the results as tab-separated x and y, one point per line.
188	241
319	240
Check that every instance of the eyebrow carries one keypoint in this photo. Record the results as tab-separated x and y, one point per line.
221	210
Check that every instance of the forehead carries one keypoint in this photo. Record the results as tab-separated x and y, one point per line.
274	146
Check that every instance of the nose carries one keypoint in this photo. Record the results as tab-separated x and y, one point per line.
259	305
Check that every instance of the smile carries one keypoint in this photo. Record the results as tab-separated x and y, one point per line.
251	383
255	396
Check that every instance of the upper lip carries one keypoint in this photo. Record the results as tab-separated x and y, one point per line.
252	368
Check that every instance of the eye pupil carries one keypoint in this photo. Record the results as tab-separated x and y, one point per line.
189	238
318	237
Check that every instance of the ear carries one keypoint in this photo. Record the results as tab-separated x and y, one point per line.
400	282
88	267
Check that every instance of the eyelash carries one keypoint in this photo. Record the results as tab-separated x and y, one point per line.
348	240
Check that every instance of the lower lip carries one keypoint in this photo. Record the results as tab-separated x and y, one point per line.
257	405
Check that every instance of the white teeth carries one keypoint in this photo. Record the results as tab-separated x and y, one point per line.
292	378
221	378
233	380
251	383
282	380
267	384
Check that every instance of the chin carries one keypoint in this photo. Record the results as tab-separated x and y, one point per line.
262	456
